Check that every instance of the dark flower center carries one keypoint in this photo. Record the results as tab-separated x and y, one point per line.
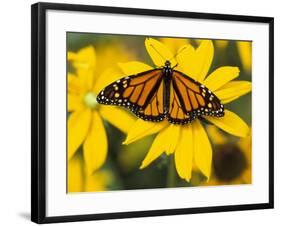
229	162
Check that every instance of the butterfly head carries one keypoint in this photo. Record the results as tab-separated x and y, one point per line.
167	64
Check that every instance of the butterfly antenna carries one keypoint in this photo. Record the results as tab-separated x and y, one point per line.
158	52
177	53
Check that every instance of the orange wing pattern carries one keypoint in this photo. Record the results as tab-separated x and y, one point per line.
177	114
142	94
149	96
192	98
154	110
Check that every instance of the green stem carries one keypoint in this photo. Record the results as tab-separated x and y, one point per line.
171	177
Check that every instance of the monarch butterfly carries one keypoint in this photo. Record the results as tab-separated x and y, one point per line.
161	93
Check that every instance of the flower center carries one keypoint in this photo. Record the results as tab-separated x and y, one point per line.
90	100
229	162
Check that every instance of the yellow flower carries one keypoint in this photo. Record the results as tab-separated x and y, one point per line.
244	49
189	143
174	44
220	44
232	162
245	52
80	181
85	123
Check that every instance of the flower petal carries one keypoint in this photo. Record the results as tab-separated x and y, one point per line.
95	145
86	76
220	77
230	123
233	90
84	62
112	53
154	152
174	44
225	101
158	52
134	67
71	55
74	85
98	181
247	176
245	52
77	129
75	176
107	77
221	44
74	103
142	128
85	58
202	149
166	140
204	54
184	153
173	132
196	63
187	61
118	117
216	136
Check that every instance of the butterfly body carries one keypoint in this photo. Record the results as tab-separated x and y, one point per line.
162	93
167	73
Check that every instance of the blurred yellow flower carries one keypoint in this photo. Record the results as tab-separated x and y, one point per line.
80	181
232	162
245	52
189	143
85	123
220	44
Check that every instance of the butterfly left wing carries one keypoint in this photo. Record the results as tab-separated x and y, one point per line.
141	93
191	99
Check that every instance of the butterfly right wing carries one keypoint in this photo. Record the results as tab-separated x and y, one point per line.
142	94
190	99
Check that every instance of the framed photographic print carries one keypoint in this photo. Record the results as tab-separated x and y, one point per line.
140	112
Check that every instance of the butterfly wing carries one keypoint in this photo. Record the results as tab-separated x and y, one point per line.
177	113
142	94
190	99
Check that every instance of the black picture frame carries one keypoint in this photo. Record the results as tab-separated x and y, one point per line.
38	111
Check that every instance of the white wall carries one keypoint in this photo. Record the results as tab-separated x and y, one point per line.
15	111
